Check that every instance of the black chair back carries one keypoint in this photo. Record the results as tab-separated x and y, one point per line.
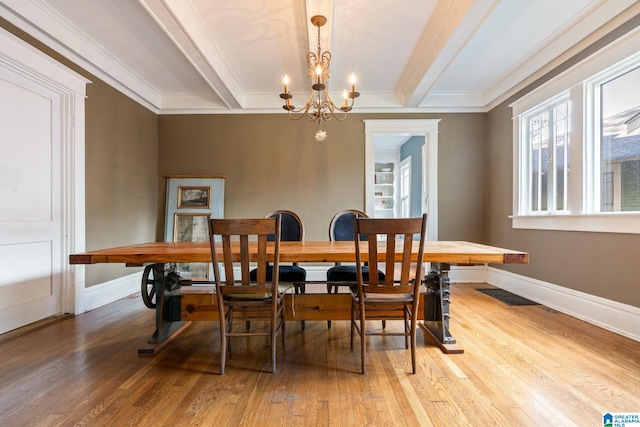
292	229
342	226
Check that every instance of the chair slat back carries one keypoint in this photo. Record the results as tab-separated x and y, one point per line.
397	238
249	235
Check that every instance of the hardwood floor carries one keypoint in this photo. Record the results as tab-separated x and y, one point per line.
522	366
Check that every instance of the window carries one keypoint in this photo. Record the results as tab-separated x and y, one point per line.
545	141
617	144
577	146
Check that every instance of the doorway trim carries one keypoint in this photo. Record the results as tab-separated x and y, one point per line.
31	64
427	128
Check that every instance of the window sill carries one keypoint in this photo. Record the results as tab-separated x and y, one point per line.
620	222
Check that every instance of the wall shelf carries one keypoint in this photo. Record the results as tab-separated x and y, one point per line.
384	190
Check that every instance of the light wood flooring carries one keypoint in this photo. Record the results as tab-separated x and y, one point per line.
522	366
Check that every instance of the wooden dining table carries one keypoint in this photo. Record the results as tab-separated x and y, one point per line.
177	305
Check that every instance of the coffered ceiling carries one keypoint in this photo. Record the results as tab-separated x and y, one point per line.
222	56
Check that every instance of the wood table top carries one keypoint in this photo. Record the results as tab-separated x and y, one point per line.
451	252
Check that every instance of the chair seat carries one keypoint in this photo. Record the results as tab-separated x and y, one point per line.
386	298
288	273
282	288
347	273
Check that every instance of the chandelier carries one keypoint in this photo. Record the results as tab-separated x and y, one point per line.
319	106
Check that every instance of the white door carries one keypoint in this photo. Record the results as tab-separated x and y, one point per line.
30	191
405	188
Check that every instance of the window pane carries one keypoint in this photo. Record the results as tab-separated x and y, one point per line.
561	133
620	144
539	157
630	186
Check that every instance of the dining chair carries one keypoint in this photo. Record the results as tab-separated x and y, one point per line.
292	230
341	228
398	295
246	299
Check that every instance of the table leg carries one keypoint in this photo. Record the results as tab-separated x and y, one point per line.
168	323
436	309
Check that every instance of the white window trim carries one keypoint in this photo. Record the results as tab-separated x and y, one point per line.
525	159
580	216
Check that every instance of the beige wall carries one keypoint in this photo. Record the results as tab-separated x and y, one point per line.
271	162
121	181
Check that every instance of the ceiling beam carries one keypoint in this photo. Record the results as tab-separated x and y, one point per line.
450	27
180	21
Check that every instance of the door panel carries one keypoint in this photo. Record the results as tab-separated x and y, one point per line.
32	281
30	231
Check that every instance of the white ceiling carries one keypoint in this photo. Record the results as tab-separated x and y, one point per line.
219	56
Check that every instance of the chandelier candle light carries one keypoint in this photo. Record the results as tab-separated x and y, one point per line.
319	105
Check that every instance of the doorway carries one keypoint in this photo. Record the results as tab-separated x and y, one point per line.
377	130
42	167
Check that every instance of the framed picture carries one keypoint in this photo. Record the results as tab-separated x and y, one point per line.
193	270
190	227
194	197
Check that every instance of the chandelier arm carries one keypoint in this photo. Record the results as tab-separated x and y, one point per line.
311	65
304	111
326	65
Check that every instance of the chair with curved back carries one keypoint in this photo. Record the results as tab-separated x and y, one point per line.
398	296
341	228
292	229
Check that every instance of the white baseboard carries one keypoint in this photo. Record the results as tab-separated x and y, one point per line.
107	292
468	274
620	318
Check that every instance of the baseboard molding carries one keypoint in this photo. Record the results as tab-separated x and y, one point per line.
468	274
620	318
113	290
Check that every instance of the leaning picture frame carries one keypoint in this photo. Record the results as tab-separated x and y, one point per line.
193	198
192	227
190	197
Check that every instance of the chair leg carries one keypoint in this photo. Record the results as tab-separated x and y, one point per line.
274	329
284	330
353	320
301	289
229	326
413	345
329	287
363	341
223	344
